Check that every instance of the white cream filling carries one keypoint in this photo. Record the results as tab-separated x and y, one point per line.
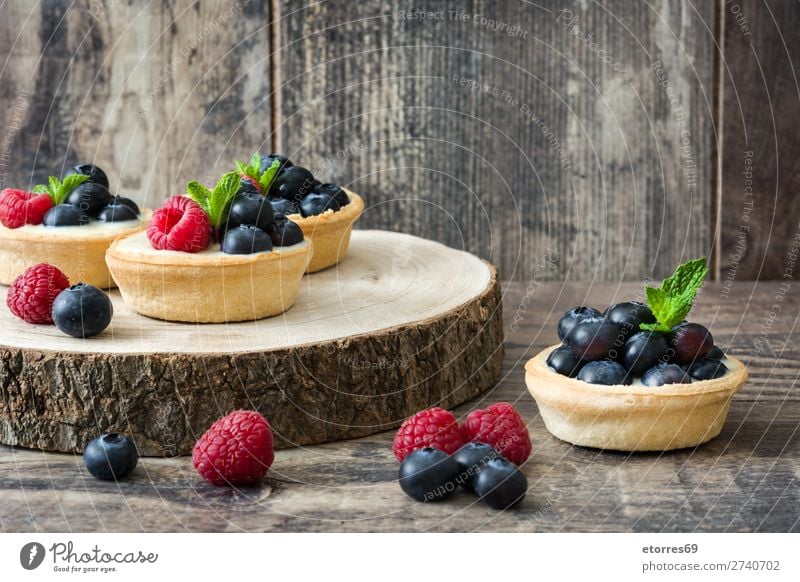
93	228
139	243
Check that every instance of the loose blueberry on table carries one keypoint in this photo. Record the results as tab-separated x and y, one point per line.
110	457
636	342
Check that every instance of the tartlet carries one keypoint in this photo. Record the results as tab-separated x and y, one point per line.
632	417
330	232
78	251
209	286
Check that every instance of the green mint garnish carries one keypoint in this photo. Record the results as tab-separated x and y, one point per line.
59	190
215	202
262	177
672	302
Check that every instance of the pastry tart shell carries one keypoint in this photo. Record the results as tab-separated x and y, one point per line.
81	257
636	417
330	232
207	287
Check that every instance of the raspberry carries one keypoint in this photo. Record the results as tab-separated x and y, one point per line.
500	426
180	225
32	294
236	450
18	207
433	427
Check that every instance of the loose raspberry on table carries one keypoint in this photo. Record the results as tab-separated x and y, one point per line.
18	207
180	225
236	450
434	427
500	426
32	294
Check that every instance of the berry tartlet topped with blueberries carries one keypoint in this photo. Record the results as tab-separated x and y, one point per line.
67	223
637	377
212	255
325	212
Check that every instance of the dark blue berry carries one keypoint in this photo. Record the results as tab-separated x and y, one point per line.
604	372
715	354
665	374
630	315
121	200
595	338
293	183
95	174
429	475
563	361
572	317
314	204
284	207
690	342
117	213
643	350
705	369
90	197
82	311
246	185
250	208
266	162
470	458
246	239
65	215
500	484
110	456
334	191
285	233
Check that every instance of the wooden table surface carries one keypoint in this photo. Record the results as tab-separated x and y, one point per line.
748	479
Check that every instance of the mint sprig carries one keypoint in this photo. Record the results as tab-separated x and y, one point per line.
215	201
261	176
672	302
58	190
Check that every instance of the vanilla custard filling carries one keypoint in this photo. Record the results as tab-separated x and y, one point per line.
94	229
140	244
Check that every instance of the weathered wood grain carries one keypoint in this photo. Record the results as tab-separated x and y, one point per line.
759	229
580	127
745	480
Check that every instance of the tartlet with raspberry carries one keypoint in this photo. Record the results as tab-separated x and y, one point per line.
67	223
211	256
637	377
326	213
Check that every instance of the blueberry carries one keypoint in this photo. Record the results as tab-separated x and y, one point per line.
470	458
246	185
284	207
110	456
266	162
334	191
285	233
121	200
595	338
250	208
65	215
689	342
117	213
293	183
705	369
643	350
604	372
500	484
96	175
572	317
629	315
314	204
90	197
563	361
82	311
429	475
665	374
715	354
246	239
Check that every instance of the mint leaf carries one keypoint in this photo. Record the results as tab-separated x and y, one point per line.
672	302
268	175
58	190
199	193
215	202
252	169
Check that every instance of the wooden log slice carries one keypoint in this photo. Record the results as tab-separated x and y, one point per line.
401	324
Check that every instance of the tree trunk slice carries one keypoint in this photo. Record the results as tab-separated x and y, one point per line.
401	324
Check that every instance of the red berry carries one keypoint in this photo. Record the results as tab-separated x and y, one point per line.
180	225
246	178
502	427
236	450
18	207
433	427
32	294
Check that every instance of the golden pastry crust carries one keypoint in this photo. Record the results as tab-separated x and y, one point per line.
330	232
207	287
81	257
632	418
